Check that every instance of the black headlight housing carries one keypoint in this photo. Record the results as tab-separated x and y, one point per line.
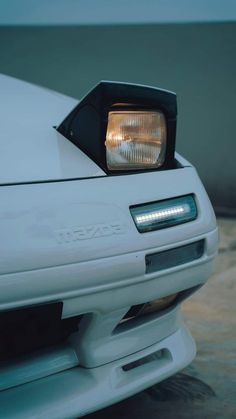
86	125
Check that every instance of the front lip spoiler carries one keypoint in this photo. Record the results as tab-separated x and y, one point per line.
79	391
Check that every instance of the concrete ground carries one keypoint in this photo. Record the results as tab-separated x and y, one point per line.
207	388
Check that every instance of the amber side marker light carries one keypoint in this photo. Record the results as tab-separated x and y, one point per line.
158	305
154	306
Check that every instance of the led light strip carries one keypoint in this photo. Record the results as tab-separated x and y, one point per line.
162	214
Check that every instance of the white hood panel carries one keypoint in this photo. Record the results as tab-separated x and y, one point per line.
31	150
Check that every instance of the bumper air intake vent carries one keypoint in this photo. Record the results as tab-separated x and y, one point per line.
28	329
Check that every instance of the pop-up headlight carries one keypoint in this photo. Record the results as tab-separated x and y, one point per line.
124	127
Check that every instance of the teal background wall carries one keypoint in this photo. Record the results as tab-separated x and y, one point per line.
197	61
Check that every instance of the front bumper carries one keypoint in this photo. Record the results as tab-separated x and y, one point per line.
87	373
79	391
56	256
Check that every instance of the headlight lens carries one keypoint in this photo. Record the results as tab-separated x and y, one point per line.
135	140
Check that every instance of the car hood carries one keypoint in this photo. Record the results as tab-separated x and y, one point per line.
31	150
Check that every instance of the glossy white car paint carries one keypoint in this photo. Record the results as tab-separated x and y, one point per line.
31	149
75	241
78	391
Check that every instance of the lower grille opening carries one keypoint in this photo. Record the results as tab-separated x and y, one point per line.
29	329
38	364
161	355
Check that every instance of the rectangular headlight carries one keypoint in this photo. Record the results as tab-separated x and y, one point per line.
163	214
135	140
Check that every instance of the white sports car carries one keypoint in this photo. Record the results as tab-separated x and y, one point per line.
104	231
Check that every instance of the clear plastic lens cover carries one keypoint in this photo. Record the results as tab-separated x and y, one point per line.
135	140
163	214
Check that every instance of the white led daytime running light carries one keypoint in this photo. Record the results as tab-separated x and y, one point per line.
162	214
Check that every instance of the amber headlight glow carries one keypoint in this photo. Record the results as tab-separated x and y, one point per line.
135	140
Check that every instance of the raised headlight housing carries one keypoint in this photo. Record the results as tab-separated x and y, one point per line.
125	127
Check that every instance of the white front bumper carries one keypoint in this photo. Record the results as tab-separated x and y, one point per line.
79	391
50	252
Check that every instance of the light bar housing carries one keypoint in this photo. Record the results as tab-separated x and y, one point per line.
164	214
86	125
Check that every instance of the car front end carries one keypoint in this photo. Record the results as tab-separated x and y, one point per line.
96	259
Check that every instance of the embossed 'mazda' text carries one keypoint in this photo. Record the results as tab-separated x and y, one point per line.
89	232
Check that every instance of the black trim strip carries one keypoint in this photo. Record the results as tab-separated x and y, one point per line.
109	175
174	257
